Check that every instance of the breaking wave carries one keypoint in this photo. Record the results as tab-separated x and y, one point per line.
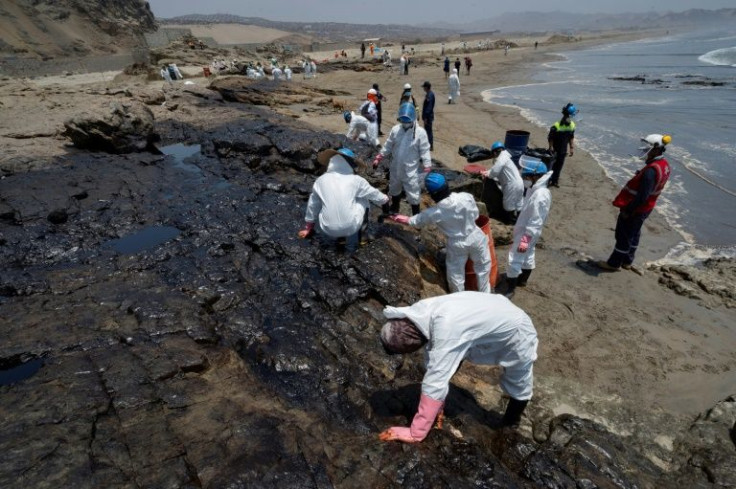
720	57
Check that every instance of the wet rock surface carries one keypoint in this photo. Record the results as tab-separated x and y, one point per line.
711	282
218	350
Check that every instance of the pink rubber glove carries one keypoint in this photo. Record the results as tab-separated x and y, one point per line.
400	218
524	244
427	169
420	426
377	160
485	173
307	230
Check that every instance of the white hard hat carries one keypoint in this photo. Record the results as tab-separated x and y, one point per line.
657	139
372	91
407	86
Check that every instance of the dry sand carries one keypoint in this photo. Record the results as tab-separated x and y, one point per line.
234	33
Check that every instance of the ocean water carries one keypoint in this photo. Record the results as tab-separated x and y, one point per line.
683	85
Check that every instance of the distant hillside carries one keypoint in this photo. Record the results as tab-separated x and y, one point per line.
569	22
323	31
45	29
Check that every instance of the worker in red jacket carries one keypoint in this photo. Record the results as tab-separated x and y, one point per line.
636	201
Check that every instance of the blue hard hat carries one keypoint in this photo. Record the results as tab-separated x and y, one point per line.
435	182
532	167
496	145
407	113
348	153
570	110
347	116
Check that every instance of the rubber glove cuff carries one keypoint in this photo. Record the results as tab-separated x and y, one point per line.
424	419
524	243
427	169
400	218
377	160
307	230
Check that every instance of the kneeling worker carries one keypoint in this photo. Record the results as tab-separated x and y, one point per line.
455	215
339	201
482	328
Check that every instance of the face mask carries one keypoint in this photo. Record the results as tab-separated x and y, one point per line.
527	184
407	125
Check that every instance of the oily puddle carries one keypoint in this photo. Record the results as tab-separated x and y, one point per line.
181	152
145	239
18	369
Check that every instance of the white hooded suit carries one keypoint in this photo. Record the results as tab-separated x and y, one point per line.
484	328
339	200
530	222
408	148
455	215
509	180
454	85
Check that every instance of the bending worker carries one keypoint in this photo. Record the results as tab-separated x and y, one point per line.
339	201
508	179
529	225
408	145
636	201
485	329
561	135
369	110
360	127
455	215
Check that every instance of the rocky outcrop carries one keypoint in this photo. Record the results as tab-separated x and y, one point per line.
116	127
51	28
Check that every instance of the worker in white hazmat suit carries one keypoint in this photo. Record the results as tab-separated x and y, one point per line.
277	73
408	146
529	225
360	127
508	178
455	215
454	87
369	110
339	202
482	328
287	73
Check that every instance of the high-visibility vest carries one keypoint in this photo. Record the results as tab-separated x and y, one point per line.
564	128
630	190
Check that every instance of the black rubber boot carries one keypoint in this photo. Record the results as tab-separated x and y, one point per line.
395	203
385	209
514	410
415	209
523	277
511	284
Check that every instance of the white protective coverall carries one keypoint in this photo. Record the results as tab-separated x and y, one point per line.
287	73
339	200
277	73
360	128
176	71
455	215
530	222
486	329
370	108
454	85
165	74
407	147
509	180
314	69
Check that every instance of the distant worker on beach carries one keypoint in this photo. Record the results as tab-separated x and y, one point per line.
636	201
369	110
402	64
457	64
428	112
362	50
529	225
484	329
455	215
454	87
408	145
379	106
446	67
508	179
339	203
165	74
561	136
468	64
406	96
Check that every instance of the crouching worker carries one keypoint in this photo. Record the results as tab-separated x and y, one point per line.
359	127
339	202
529	225
482	328
455	215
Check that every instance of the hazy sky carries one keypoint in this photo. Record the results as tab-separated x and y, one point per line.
412	11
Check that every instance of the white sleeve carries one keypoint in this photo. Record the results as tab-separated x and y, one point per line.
427	216
314	206
366	190
538	217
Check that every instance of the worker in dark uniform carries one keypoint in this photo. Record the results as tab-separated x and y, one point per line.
428	112
561	136
379	106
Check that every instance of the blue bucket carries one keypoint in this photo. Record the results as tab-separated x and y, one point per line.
516	143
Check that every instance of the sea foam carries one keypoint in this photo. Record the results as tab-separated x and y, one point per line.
720	57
